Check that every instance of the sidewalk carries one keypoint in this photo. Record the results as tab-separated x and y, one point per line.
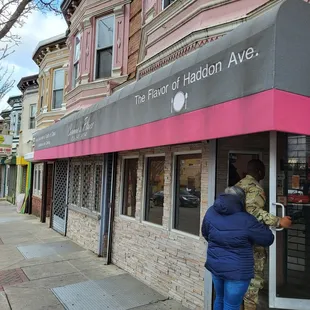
40	269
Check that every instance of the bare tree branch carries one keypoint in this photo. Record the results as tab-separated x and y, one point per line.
13	14
6	81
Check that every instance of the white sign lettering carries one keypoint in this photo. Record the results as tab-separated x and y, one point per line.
203	72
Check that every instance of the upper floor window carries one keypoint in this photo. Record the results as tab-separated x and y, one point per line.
58	88
42	95
104	47
76	60
32	116
19	120
165	3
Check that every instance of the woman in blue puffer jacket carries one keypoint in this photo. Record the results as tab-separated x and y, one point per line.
231	233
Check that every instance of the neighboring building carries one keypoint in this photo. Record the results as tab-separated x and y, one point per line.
15	120
15	124
6	150
164	145
29	87
52	57
101	59
5	114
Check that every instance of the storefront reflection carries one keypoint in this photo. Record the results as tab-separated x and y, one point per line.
293	246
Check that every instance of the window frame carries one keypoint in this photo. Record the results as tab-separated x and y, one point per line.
76	62
54	90
93	163
174	192
96	49
164	5
145	186
19	123
42	95
37	182
32	117
122	187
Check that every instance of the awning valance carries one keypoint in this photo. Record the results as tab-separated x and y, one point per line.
218	84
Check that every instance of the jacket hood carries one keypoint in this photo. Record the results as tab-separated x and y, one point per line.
227	204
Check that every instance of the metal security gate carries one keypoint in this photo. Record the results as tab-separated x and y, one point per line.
24	179
60	196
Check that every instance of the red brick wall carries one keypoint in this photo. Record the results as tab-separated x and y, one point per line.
36	206
135	24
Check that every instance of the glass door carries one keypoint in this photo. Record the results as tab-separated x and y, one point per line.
289	256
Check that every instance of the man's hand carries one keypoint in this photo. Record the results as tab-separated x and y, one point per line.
285	222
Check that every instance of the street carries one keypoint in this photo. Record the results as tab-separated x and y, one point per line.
40	269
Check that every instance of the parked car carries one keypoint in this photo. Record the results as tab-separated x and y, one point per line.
297	196
187	200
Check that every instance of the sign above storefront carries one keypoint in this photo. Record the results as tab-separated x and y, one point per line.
5	145
253	58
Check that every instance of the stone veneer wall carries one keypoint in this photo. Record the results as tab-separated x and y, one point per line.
171	262
83	229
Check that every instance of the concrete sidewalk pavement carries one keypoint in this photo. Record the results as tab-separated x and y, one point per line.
40	269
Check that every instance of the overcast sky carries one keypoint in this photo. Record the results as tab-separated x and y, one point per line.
38	27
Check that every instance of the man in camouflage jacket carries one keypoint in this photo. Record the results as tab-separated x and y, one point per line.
255	204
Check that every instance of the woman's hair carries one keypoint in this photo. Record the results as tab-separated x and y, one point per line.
236	190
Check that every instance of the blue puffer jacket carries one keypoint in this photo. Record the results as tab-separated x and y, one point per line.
231	233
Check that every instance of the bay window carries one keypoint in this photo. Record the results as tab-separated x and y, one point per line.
165	3
42	95
58	88
104	47
32	117
76	59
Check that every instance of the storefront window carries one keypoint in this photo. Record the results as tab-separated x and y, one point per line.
154	204
130	186
187	193
293	191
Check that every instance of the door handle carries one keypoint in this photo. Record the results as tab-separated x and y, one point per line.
283	212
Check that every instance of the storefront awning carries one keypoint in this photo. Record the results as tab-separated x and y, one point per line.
11	160
256	78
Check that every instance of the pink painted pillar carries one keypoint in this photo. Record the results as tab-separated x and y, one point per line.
126	39
91	48
85	58
118	40
70	44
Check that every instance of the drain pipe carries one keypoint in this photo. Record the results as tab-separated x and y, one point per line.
104	202
111	208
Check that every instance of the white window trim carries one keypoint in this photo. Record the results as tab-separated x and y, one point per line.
76	62
96	42
173	192
34	116
144	186
42	95
163	4
53	89
120	208
37	188
81	164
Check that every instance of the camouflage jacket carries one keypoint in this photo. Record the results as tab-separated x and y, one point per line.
256	200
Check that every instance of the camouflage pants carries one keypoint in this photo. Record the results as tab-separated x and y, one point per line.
251	296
